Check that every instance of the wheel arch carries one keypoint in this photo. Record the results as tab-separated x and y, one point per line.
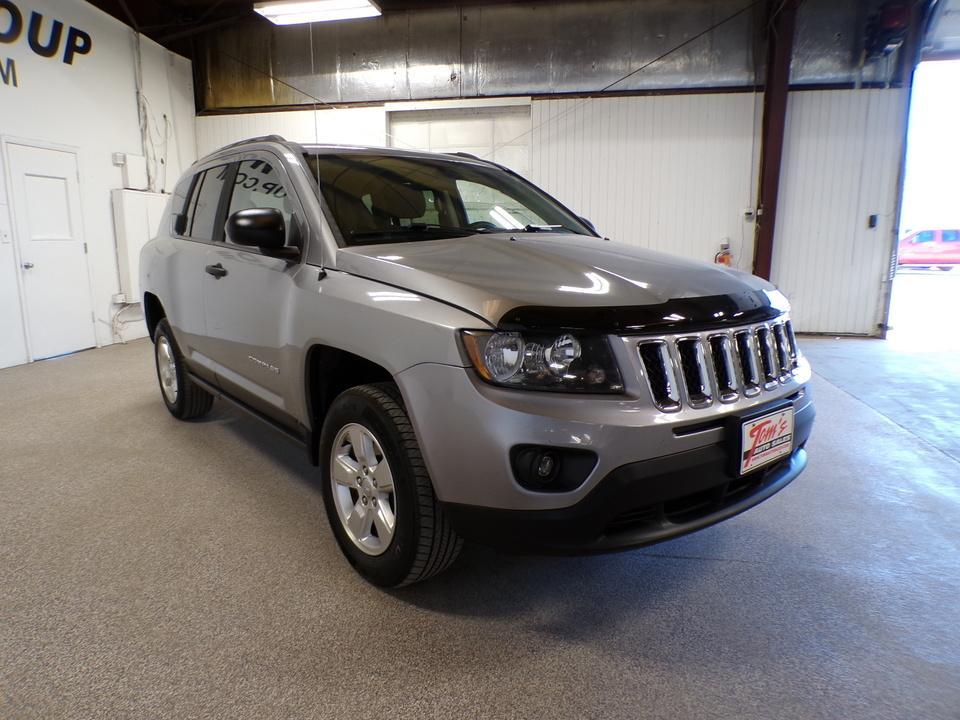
153	312
328	372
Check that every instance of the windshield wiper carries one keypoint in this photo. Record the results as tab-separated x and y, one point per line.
544	228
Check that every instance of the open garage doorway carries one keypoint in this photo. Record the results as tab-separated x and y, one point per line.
926	286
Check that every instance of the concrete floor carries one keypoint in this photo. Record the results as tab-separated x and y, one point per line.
152	568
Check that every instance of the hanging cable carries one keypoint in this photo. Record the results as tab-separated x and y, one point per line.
584	101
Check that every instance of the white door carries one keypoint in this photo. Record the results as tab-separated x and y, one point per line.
45	196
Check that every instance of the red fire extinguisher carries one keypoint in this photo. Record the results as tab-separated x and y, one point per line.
724	257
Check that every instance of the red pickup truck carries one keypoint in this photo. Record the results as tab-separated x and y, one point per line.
930	248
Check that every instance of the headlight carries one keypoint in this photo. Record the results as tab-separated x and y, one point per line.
534	361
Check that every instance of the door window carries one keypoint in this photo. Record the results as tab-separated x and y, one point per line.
260	185
206	202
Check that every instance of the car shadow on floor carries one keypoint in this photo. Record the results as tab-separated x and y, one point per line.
490	583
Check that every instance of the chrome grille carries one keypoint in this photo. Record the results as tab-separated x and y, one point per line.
723	369
660	375
746	343
696	370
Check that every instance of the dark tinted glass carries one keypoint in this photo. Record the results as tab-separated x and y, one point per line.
207	198
395	198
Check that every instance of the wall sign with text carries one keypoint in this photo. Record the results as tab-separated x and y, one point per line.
46	37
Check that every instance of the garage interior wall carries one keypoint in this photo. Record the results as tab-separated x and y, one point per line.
358	126
668	172
53	104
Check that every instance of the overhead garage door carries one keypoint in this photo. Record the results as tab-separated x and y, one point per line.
840	167
500	134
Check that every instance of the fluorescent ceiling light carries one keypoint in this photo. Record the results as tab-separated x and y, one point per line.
293	12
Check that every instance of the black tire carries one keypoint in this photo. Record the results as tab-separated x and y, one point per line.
423	543
191	401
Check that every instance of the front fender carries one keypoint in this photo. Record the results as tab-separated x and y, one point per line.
389	326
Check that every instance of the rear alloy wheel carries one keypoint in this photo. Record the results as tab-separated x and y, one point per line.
184	399
377	492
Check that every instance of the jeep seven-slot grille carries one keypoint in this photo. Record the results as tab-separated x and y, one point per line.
725	365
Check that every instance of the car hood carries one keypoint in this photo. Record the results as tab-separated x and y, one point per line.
563	280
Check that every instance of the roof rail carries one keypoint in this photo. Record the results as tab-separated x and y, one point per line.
260	138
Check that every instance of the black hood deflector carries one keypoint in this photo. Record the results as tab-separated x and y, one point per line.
673	316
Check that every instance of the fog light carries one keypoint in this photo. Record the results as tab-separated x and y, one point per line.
551	469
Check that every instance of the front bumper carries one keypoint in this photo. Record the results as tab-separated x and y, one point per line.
638	504
466	430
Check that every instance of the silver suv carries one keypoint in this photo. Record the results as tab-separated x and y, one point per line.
465	358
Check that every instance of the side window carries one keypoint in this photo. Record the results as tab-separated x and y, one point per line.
926	236
203	214
260	185
950	235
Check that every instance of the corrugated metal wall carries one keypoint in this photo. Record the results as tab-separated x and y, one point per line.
840	165
672	173
522	48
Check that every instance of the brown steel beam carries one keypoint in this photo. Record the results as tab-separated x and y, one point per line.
780	31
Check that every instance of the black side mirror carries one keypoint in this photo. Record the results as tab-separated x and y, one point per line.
589	225
262	228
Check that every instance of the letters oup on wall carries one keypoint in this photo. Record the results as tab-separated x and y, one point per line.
45	37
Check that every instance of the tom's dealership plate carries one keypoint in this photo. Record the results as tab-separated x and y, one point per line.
766	439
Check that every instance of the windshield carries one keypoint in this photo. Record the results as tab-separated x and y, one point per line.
394	198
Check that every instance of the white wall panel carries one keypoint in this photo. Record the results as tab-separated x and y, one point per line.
90	106
501	134
840	165
350	126
671	173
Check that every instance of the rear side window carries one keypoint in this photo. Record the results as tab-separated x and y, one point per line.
950	235
205	203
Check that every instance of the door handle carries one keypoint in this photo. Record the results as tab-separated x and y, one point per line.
27	265
218	270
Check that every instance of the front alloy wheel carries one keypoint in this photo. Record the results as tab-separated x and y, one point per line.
362	487
377	492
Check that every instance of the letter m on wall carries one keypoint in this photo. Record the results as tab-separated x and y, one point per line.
8	72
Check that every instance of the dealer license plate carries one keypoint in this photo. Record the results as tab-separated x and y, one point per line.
766	439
